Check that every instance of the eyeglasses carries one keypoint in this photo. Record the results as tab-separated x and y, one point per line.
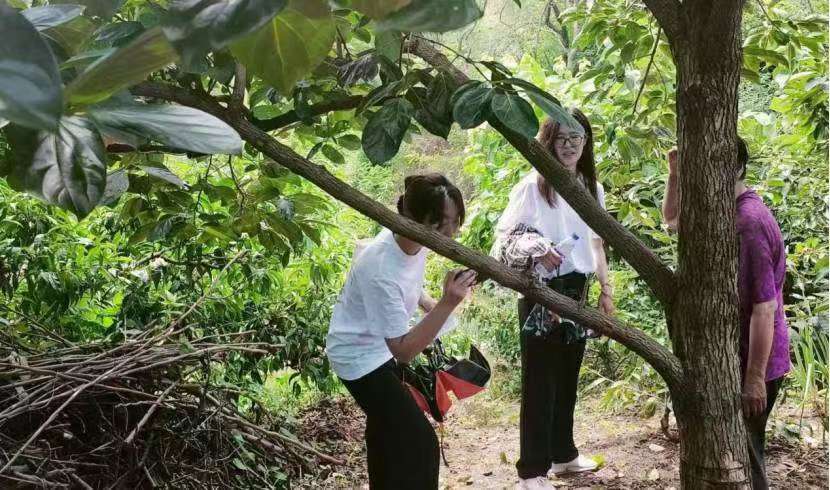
571	140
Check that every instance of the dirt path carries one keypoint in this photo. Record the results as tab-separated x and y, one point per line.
482	444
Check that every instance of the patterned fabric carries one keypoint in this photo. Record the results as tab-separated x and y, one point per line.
519	250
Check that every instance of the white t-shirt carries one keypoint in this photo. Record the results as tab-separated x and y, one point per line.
528	206
376	303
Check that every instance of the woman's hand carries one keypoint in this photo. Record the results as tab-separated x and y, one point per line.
551	260
606	302
457	285
672	158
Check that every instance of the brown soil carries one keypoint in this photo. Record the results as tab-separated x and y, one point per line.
481	443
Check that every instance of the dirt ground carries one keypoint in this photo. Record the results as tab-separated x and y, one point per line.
481	444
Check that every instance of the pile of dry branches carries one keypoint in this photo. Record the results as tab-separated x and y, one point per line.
138	414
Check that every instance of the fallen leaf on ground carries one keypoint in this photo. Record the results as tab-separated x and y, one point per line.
656	448
654	475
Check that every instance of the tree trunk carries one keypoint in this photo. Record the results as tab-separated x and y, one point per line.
705	313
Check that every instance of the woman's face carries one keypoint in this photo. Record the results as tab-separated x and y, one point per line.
568	146
451	223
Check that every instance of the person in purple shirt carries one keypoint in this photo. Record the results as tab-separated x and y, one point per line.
764	347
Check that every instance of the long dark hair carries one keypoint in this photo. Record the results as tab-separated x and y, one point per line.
585	167
425	195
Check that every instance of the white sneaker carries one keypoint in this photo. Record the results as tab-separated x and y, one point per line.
538	483
577	465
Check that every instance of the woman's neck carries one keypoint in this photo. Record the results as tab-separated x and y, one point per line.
409	247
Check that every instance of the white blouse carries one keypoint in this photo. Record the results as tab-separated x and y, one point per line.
527	205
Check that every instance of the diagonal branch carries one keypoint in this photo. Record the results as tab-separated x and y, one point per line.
291	116
641	258
656	354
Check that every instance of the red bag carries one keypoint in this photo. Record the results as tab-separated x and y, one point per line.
430	382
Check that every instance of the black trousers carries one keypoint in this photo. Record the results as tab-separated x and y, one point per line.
401	446
755	433
550	373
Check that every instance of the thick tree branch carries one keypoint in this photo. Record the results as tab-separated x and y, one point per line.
657	355
240	84
667	13
641	258
291	116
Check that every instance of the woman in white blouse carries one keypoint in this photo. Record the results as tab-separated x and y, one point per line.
551	361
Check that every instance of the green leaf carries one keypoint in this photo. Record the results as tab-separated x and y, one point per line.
432	16
49	16
378	9
471	106
388	44
555	111
196	27
125	67
385	130
430	114
99	8
288	48
73	35
515	113
767	55
751	75
30	85
162	173
333	155
113	33
349	142
285	228
173	125
86	58
67	168
117	184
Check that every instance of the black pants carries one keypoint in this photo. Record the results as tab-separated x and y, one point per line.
401	446
550	372
755	432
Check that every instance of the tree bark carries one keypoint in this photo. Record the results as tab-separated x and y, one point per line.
659	278
705	313
663	361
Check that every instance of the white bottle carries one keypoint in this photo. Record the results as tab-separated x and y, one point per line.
563	248
566	246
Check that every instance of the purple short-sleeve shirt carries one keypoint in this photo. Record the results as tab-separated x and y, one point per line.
761	269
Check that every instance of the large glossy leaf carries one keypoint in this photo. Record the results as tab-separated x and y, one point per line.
430	117
385	130
378	9
388	43
548	103
30	85
471	104
85	58
98	8
173	125
162	173
66	168
432	16
289	47
48	16
127	66
555	111
515	113
435	111
196	27
117	185
72	36
118	32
